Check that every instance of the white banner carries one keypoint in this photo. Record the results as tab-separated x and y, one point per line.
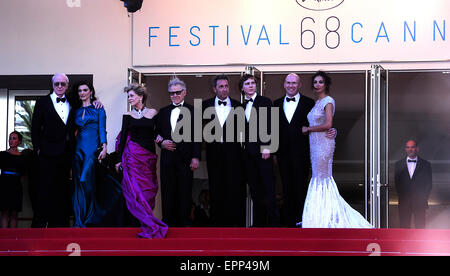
221	32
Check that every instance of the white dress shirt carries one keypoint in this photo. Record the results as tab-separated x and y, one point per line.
174	116
222	110
290	107
249	106
411	166
61	108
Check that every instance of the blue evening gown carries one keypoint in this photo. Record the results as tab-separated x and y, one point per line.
91	123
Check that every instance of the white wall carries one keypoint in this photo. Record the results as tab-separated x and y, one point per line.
47	36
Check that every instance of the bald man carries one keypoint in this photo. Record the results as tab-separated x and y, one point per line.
293	152
413	181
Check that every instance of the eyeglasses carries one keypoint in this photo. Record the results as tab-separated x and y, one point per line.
173	93
63	84
83	90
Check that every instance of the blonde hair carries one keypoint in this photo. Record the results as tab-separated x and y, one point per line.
139	89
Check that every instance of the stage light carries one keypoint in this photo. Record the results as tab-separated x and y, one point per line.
132	5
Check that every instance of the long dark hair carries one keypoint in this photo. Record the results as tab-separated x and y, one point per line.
74	98
326	79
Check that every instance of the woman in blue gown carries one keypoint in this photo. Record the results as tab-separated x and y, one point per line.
90	136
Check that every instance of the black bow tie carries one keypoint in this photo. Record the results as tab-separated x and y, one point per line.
290	99
60	100
409	160
246	101
223	102
177	105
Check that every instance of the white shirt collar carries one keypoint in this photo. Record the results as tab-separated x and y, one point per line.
182	103
252	97
53	96
297	97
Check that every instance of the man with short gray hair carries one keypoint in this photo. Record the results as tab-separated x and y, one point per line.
52	134
180	156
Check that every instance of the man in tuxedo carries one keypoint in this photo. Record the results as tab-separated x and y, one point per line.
180	156
293	154
413	181
257	155
52	133
224	157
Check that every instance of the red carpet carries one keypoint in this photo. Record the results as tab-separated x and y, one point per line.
225	242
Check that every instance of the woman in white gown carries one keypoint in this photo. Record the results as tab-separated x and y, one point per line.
324	206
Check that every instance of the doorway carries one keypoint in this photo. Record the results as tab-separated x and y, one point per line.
407	104
348	89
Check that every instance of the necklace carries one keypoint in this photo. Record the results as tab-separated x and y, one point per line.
140	113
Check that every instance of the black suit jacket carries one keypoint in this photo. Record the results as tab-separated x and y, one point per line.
254	147
234	104
292	141
416	190
187	149
230	151
50	135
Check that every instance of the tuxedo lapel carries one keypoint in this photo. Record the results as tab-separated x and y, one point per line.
180	116
405	170
419	166
256	102
212	104
166	124
51	109
280	106
233	105
301	108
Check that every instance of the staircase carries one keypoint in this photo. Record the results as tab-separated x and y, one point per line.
224	242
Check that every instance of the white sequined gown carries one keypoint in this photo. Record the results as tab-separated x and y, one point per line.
324	207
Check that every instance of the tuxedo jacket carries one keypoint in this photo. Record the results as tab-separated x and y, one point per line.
416	190
292	141
187	149
49	134
251	146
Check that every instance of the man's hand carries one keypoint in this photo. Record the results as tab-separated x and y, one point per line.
118	167
194	164
159	139
265	154
97	104
168	145
331	133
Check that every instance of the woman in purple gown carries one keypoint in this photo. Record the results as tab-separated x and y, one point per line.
137	159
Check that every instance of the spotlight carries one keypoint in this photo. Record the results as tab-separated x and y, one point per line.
132	5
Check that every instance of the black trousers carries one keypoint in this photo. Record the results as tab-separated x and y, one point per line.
226	187
294	177
261	179
176	190
54	195
407	211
